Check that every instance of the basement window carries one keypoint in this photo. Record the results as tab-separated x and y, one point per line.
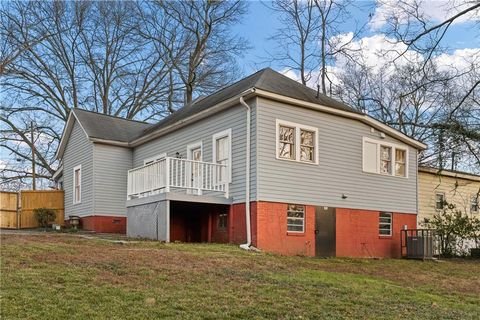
385	224
295	218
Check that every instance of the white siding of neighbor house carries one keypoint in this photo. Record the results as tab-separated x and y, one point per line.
111	164
79	151
232	118
340	165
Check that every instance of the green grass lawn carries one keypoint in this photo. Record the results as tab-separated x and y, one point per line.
58	276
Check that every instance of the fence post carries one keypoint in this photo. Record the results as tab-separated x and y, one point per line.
18	210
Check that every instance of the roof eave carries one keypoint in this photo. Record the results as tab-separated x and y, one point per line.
449	173
66	132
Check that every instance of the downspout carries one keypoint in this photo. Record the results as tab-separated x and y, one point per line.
247	245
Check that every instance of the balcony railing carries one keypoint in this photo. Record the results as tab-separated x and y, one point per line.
169	174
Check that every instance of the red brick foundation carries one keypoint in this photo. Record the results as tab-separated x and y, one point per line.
104	224
356	231
272	234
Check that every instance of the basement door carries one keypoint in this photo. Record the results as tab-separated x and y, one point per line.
325	236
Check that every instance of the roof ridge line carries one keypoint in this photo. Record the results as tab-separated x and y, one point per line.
109	115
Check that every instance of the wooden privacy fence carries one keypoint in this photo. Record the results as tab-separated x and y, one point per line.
16	209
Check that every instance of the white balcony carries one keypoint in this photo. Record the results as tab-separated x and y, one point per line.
177	175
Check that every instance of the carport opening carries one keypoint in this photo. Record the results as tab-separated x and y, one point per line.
198	222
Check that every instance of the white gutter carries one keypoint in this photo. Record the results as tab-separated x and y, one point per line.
247	245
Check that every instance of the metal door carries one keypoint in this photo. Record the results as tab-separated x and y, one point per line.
325	237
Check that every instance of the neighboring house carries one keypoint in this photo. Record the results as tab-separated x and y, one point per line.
437	187
320	177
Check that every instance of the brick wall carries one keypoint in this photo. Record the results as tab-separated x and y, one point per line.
272	234
104	224
357	233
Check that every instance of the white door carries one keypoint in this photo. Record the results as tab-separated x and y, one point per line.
194	170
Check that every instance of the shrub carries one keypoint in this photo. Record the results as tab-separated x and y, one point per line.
44	216
453	229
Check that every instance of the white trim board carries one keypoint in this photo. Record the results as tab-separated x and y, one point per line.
222	134
79	167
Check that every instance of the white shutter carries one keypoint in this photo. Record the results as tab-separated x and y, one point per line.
370	157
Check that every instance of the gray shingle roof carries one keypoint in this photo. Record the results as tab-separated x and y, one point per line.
118	129
106	127
265	79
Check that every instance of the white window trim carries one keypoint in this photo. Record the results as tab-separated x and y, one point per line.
391	224
435	200
194	146
303	220
215	137
298	127
79	167
394	146
158	156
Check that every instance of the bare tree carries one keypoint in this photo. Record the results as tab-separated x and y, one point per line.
127	59
457	128
308	40
206	50
296	39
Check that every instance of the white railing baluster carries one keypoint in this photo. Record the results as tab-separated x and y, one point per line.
167	173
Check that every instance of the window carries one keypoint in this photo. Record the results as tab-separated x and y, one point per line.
286	143
400	161
439	201
307	148
474	204
296	142
385	224
77	184
222	153
222	221
384	158
295	218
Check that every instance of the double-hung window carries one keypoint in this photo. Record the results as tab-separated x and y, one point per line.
286	142
384	158
222	153
77	184
439	200
295	218
385	224
296	142
474	203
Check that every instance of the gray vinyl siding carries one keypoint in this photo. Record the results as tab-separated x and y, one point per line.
340	165
232	118
111	164
79	151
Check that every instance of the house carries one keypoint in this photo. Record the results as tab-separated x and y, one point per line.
319	178
437	187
